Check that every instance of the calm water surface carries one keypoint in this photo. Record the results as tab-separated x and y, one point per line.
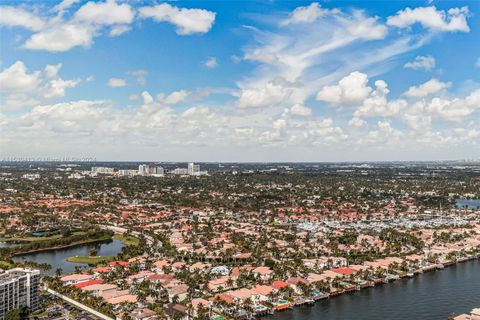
57	258
471	203
430	296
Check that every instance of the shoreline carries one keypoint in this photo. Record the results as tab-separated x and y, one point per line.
90	261
275	314
117	236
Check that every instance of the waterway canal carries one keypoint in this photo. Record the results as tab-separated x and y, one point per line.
430	296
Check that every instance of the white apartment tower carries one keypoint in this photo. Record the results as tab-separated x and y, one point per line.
150	169
19	288
193	169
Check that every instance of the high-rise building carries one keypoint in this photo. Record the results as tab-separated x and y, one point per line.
19	288
160	170
150	169
180	171
193	169
103	170
143	169
127	173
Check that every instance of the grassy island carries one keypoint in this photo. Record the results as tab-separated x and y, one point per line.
90	260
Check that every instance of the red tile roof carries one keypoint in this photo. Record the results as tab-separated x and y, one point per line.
279	284
345	271
88	283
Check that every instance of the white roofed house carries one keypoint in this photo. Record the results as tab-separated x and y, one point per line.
76	278
99	289
220	270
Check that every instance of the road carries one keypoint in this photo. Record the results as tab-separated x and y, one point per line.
79	305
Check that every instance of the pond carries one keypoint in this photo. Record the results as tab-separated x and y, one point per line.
57	258
471	203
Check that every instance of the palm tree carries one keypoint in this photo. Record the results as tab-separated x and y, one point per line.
58	272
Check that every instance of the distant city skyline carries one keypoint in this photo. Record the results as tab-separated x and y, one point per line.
246	81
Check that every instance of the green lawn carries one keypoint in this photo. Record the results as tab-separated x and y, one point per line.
90	260
5	265
126	239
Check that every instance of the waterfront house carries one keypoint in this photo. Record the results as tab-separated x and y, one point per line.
240	295
262	293
295	284
344	271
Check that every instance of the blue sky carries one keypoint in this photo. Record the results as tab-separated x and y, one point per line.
240	80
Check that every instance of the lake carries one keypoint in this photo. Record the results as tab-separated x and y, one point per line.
430	296
471	203
57	258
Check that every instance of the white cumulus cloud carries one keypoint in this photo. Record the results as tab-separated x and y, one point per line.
17	79
62	37
455	19
23	89
105	13
187	21
431	86
350	90
18	17
307	14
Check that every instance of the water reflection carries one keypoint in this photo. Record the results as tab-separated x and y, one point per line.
57	258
